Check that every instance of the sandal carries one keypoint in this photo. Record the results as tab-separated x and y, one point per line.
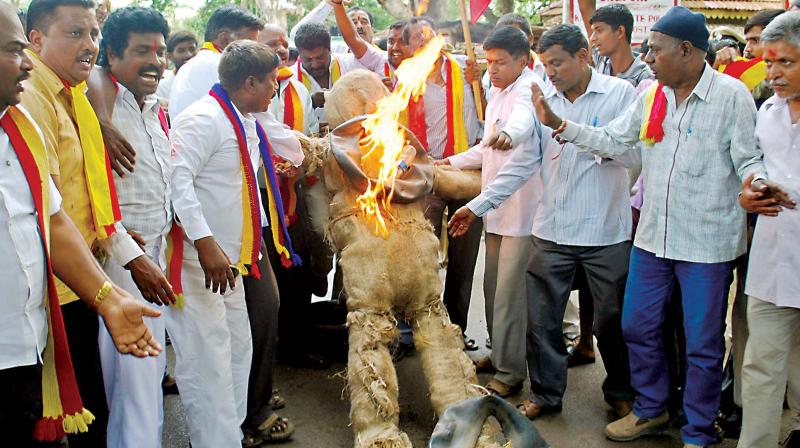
276	402
276	429
502	389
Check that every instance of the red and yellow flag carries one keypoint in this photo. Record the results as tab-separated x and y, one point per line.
750	71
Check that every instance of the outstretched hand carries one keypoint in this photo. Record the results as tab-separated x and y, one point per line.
543	111
500	141
123	316
460	222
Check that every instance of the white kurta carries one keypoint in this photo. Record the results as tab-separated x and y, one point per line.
193	81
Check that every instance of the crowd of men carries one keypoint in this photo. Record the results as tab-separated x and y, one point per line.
146	167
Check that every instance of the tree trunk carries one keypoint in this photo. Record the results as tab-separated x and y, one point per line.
396	8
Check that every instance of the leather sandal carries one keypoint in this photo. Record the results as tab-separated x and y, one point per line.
484	365
531	409
502	389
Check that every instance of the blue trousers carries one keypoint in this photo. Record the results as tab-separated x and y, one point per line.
704	293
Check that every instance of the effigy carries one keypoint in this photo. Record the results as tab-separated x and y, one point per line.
377	174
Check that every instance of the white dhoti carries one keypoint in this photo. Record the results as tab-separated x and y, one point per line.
133	385
213	350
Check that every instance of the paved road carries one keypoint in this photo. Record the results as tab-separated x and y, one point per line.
318	406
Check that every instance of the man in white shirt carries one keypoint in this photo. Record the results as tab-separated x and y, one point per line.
181	46
582	219
317	68
303	120
24	275
508	228
225	25
211	334
772	353
133	56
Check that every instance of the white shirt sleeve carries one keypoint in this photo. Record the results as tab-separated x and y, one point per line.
310	119
523	117
191	150
471	159
519	168
374	60
316	15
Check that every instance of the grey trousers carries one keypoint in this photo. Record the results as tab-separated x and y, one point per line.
263	303
551	272
507	304
462	255
739	330
771	371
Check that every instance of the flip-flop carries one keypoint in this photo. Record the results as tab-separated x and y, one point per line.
502	389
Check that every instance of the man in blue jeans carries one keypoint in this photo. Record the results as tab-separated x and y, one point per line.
691	226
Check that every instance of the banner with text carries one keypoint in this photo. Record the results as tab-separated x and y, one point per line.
645	14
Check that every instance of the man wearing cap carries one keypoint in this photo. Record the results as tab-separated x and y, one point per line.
691	227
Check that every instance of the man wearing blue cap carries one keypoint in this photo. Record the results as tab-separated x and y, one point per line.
691	227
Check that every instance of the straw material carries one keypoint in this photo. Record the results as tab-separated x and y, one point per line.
455	184
354	94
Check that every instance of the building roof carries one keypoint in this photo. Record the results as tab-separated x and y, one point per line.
726	9
712	9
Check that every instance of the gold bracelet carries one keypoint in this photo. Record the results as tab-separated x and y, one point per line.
103	293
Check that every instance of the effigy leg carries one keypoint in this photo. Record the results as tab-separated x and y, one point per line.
372	381
449	371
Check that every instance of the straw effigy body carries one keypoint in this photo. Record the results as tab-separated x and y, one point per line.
386	279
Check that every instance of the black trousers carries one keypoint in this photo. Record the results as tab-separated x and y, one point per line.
551	272
82	326
462	256
20	405
263	302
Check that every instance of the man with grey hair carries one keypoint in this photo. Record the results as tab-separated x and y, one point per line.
772	354
691	227
215	143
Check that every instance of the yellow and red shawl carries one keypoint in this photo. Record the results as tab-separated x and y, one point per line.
293	114
63	410
655	110
335	71
456	141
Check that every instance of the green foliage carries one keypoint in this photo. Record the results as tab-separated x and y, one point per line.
382	18
197	23
530	9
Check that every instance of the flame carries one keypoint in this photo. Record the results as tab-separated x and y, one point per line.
383	140
422	8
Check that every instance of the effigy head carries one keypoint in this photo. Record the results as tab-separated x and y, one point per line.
356	93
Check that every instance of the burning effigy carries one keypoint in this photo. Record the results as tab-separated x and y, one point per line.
377	173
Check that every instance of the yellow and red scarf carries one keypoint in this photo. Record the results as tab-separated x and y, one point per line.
211	46
335	71
456	130
63	410
750	71
532	60
655	110
293	114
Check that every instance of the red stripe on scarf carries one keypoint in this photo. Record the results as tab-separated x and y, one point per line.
655	128
288	107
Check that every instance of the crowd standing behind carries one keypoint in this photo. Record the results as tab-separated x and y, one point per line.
147	168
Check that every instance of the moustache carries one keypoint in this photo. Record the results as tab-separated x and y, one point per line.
778	83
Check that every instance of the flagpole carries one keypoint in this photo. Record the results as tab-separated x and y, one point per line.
476	84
